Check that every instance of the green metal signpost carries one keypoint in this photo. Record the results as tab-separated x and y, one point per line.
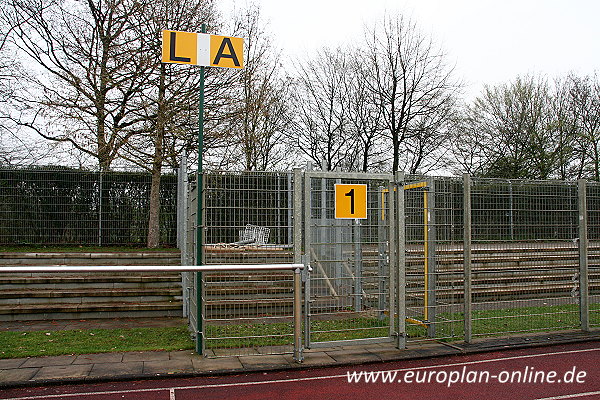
206	51
199	226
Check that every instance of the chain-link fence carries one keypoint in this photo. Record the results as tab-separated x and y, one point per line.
61	206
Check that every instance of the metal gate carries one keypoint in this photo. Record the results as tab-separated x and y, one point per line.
350	294
420	271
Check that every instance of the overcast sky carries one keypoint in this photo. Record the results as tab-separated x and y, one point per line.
489	41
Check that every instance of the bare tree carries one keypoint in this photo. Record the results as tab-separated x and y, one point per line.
259	108
365	117
12	147
411	83
467	144
167	104
83	77
321	129
103	88
563	128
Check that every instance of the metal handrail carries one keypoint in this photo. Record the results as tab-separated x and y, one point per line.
153	268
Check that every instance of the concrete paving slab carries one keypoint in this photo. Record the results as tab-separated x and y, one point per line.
117	369
314	358
321	349
183	355
99	358
217	364
146	356
367	346
48	361
12	363
27	371
168	367
387	353
264	362
61	372
394	354
17	375
353	356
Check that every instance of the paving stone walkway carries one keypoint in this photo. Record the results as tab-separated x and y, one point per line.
150	364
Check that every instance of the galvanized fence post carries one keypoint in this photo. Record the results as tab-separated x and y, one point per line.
584	305
390	263
431	275
182	222
298	196
382	239
307	248
400	264
181	194
358	265
298	357
468	317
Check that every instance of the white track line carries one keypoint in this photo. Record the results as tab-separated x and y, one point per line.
311	378
570	396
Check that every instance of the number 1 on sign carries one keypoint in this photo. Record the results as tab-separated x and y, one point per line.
351	194
350	201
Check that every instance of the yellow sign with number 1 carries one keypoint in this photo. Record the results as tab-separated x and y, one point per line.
350	201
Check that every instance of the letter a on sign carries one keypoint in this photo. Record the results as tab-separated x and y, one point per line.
226	51
202	49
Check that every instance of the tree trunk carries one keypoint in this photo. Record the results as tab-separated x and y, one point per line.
154	217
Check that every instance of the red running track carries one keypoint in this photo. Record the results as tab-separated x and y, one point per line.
549	373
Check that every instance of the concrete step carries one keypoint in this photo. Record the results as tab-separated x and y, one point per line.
94	295
96	258
58	281
88	310
244	293
38	296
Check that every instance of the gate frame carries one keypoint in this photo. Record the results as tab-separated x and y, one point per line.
396	246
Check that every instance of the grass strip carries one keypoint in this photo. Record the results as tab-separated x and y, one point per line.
53	343
449	326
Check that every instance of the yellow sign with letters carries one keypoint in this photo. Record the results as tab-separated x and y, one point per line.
202	49
350	201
